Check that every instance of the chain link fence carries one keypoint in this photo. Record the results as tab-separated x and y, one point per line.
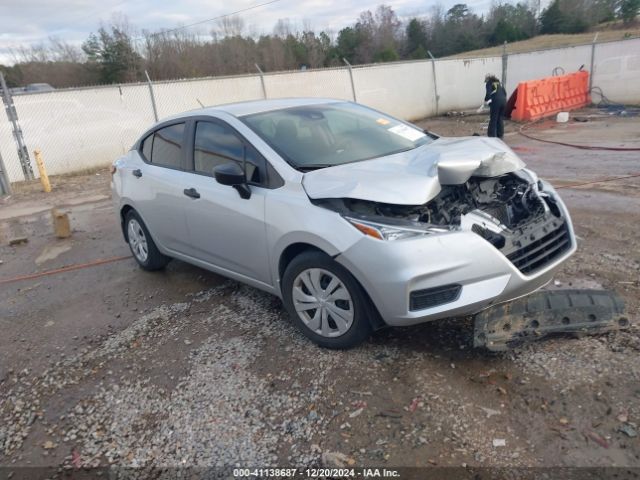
84	128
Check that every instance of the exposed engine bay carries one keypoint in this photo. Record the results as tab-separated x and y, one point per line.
509	211
509	199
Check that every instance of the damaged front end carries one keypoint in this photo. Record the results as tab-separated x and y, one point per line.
512	211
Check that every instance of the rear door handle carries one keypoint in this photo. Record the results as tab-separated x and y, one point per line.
191	192
137	173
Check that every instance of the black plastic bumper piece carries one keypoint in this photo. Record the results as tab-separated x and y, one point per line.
578	312
432	297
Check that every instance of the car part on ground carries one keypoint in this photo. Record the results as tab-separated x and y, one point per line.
577	312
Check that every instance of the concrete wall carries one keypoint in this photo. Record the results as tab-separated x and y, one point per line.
330	82
617	71
461	81
180	96
404	90
527	66
84	128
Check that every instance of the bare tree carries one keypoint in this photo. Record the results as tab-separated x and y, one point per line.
232	26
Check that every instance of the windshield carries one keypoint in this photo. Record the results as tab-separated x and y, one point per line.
317	136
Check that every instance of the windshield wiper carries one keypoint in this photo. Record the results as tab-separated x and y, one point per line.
314	166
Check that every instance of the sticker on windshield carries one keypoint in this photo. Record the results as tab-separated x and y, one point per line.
407	132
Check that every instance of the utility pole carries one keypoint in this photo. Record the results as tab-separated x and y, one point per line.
5	186
505	59
593	57
264	88
435	83
153	97
23	153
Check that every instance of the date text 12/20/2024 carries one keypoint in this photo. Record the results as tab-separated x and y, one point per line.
315	473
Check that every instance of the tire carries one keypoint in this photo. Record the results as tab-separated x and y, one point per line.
142	246
341	319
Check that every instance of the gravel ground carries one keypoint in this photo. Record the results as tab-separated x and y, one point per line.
115	366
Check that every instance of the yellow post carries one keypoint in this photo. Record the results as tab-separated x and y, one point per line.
44	178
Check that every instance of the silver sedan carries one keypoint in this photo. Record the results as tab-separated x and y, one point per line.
356	219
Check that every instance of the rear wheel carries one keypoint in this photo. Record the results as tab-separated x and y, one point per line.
142	245
326	302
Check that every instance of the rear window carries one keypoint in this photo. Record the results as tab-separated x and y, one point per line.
316	136
167	146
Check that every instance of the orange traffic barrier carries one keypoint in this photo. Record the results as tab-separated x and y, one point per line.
536	99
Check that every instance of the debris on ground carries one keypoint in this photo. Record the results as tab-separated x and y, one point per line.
18	241
628	429
529	318
61	223
336	460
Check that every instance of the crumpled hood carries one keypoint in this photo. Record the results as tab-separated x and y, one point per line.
416	176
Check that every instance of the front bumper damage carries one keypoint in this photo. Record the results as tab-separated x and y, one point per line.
576	312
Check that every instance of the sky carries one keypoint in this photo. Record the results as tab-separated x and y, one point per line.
28	22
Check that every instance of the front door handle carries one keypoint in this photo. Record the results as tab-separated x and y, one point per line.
191	192
137	173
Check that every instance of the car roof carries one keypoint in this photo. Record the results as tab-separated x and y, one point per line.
240	109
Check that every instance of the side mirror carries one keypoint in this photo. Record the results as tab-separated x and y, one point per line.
232	175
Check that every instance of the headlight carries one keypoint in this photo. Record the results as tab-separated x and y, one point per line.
383	231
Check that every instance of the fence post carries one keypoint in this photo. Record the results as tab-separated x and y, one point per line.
23	153
153	97
593	56
435	83
264	88
5	186
44	178
353	85
505	59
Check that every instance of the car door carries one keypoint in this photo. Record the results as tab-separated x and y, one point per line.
226	230
158	189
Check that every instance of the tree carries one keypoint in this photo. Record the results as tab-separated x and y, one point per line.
416	39
12	75
461	30
510	23
552	19
628	10
115	54
347	44
564	16
603	11
457	13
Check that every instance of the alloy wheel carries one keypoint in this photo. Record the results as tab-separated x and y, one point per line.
138	240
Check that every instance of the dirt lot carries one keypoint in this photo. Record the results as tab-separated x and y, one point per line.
113	365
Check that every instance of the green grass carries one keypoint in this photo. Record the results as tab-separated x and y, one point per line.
542	42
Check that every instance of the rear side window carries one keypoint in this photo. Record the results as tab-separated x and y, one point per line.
166	150
216	144
147	143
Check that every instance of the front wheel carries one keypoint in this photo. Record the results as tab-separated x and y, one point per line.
142	245
326	301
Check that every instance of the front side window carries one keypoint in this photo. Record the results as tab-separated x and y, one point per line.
167	146
316	136
216	144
